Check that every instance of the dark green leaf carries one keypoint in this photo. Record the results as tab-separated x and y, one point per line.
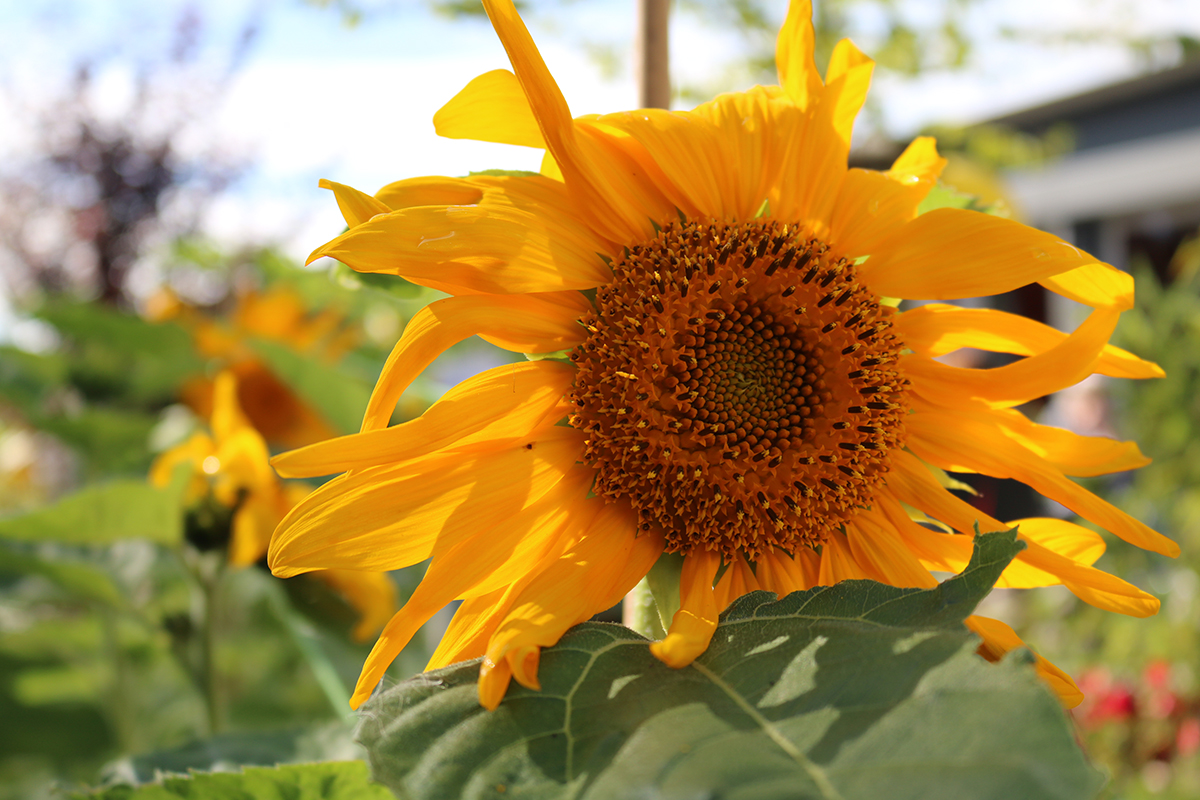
860	690
104	514
336	780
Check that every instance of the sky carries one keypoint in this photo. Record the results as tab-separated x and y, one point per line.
318	98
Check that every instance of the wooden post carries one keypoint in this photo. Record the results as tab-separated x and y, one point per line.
653	63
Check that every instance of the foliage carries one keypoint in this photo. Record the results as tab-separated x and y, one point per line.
859	690
123	637
346	780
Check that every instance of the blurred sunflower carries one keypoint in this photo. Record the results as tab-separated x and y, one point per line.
235	501
738	391
280	315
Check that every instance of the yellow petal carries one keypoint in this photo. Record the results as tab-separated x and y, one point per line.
525	324
911	482
198	447
1089	584
999	639
594	180
494	248
227	416
629	179
499	403
356	207
960	441
676	141
597	572
695	622
848	63
838	563
951	253
492	560
472	626
754	142
550	168
1073	454
945	552
771	575
385	518
430	191
794	55
876	546
251	533
1097	285
820	164
784	573
737	581
936	329
491	108
1081	545
919	163
1063	365
871	206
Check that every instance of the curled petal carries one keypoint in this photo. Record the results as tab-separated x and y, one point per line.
694	623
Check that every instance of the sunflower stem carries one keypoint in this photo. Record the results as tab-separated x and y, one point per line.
641	613
213	701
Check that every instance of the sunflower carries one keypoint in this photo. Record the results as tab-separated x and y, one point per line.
739	389
230	470
275	315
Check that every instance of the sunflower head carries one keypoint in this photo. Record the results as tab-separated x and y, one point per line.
235	499
738	389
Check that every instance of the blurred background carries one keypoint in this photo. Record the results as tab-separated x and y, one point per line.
159	336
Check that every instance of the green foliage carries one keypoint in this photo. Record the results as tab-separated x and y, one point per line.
99	515
996	147
75	570
1163	415
113	355
860	690
337	780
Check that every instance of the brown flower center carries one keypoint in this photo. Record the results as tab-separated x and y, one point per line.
738	387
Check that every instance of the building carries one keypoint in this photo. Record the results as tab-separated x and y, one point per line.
1130	188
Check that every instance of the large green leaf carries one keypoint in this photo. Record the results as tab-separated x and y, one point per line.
859	690
104	514
334	780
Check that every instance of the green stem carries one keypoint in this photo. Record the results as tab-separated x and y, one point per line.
640	613
306	641
213	700
118	701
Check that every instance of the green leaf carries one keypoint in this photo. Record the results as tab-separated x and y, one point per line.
119	357
859	690
261	748
337	395
99	515
335	780
65	566
112	440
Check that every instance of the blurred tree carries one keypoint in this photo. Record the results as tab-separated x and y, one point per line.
77	212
